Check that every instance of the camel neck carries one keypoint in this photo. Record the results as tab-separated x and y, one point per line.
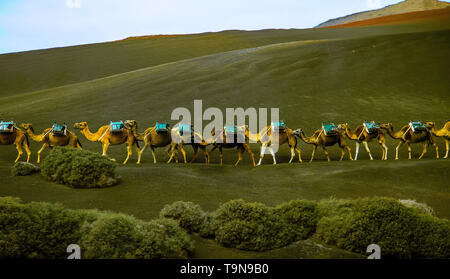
90	136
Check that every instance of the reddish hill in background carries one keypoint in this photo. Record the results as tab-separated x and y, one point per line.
399	19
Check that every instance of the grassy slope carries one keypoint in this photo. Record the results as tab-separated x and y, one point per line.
42	69
393	77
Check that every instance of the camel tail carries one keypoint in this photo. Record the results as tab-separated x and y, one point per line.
27	141
137	143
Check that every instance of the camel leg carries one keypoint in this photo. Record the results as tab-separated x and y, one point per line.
138	152
206	153
221	154
129	153
184	153
326	153
368	150
313	153
409	151
27	149
349	152
437	150
209	153
195	148
273	155
424	150
299	152
263	151
357	150
153	153
39	152
240	151
397	148
247	148
384	149
342	153
446	149
292	155
19	150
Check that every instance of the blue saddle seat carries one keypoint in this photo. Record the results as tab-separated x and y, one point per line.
279	126
116	127
185	129
59	129
330	129
230	130
417	126
162	128
372	127
6	127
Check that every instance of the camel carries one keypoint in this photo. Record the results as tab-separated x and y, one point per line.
150	137
320	139
406	135
19	138
444	132
360	135
50	140
268	139
228	144
107	138
195	140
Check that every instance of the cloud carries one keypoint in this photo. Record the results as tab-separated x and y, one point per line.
374	4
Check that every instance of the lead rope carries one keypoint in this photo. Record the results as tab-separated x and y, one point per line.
104	133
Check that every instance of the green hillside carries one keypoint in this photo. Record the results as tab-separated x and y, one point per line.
386	73
42	69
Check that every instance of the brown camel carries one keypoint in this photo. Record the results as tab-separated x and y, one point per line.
268	139
50	140
228	143
17	137
320	139
406	135
444	132
107	138
360	135
150	137
178	141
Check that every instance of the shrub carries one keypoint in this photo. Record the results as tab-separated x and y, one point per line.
23	168
42	230
79	168
401	232
118	236
254	226
37	230
189	215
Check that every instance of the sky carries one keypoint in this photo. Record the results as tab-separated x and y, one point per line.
38	24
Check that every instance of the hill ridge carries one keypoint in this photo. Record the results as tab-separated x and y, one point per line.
399	8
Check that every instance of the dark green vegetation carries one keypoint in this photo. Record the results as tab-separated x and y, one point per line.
43	230
391	73
79	168
353	225
402	232
24	168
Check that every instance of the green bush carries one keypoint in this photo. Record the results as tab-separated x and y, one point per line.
117	236
23	168
42	230
37	230
79	168
189	215
254	226
401	232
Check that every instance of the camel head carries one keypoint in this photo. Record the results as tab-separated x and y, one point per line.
129	124
387	126
80	125
343	126
430	125
26	126
297	132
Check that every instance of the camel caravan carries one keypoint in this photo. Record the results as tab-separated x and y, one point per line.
175	139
